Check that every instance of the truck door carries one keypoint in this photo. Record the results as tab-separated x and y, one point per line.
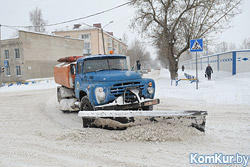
79	79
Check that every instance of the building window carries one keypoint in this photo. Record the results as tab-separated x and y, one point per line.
7	70
18	70
85	36
6	53
17	53
115	45
110	41
87	48
119	48
109	49
86	45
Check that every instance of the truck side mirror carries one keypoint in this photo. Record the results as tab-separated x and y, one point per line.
72	69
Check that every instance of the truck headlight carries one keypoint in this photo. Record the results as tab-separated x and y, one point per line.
150	90
99	94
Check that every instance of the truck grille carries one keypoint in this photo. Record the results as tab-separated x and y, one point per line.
118	89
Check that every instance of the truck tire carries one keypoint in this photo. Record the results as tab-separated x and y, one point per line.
87	106
148	108
59	97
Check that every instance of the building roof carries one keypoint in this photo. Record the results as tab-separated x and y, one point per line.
39	33
87	28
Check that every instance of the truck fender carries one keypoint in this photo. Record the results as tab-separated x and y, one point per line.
82	94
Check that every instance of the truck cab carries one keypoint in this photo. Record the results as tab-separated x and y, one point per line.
105	82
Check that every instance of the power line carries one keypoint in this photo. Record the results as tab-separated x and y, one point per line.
10	27
72	19
15	10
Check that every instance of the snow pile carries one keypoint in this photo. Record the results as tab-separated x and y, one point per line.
158	132
78	135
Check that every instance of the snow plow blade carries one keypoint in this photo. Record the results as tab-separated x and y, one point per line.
120	120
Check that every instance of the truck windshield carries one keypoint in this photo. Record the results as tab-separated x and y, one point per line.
95	65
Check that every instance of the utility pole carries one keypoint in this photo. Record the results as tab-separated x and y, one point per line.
103	42
103	36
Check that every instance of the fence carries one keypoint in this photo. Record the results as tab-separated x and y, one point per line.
233	61
27	82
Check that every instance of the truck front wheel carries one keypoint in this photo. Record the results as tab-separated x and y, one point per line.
86	106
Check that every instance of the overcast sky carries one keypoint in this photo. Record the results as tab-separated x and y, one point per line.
15	12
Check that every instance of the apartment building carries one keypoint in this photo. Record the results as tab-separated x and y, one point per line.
33	55
93	39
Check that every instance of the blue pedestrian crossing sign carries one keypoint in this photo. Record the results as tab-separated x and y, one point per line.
196	45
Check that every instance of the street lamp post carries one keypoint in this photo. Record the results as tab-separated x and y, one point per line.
103	36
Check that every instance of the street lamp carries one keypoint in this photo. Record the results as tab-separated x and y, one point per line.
103	36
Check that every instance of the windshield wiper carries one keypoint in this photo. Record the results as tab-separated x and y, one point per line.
115	69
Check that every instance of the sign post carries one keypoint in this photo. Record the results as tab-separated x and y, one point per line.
196	45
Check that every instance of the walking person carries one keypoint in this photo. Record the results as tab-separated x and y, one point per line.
138	65
209	72
182	67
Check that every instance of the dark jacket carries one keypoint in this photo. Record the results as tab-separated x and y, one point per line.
209	70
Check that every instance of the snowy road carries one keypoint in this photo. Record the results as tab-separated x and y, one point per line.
33	132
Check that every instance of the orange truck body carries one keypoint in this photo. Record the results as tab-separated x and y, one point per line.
63	76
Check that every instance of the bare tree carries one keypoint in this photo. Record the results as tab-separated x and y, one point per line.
137	51
221	47
224	47
15	34
246	44
176	22
37	21
125	38
232	46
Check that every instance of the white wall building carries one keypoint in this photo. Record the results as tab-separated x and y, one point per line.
233	61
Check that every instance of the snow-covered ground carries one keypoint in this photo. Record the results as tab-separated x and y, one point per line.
222	89
33	132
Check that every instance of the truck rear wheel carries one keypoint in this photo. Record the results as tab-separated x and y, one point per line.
86	106
59	97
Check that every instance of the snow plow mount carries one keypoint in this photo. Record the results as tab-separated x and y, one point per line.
120	120
129	105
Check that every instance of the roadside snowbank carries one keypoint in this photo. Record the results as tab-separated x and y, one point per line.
222	89
41	83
